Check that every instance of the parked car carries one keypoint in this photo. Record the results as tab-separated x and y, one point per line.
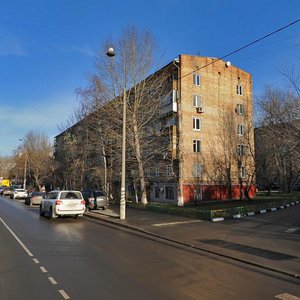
7	191
1	189
34	198
95	199
18	194
62	203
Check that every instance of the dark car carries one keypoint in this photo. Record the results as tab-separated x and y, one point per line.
34	198
95	199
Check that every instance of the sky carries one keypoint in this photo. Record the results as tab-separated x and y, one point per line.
48	48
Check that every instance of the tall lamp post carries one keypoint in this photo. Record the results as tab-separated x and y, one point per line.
25	166
111	53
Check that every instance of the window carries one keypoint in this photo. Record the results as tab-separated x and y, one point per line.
169	193
241	149
158	128
197	123
242	172
169	170
197	170
241	129
240	109
196	146
156	192
196	101
239	89
196	79
157	172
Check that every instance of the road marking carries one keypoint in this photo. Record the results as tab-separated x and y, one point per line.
64	294
43	270
18	240
291	230
52	280
287	296
176	223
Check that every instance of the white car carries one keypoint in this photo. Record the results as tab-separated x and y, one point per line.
62	203
18	194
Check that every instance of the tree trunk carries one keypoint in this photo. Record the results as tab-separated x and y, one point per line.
139	161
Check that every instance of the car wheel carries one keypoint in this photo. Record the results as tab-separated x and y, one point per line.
51	214
42	214
103	208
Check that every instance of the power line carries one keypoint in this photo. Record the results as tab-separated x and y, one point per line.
244	47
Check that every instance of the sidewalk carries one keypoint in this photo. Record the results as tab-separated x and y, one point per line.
236	240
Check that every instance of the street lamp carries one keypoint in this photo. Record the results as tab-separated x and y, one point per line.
25	166
111	53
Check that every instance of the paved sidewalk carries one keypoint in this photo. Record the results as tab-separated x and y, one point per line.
239	240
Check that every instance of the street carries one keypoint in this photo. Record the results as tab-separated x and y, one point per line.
87	259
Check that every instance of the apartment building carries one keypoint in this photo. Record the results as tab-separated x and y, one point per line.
199	145
212	134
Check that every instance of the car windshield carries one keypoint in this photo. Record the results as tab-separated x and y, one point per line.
70	195
19	190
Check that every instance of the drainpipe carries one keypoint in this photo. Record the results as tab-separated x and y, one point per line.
180	200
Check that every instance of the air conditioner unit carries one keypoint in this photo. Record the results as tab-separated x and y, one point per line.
200	109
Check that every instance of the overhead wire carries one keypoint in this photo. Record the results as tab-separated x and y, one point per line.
243	47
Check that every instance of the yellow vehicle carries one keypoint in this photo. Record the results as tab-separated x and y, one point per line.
5	182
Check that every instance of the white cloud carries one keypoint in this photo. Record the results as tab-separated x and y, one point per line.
85	50
11	45
44	117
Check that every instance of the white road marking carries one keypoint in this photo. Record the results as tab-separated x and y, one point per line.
43	270
176	223
291	230
52	280
287	296
64	294
18	240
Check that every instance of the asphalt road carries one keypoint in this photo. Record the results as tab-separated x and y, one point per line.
85	259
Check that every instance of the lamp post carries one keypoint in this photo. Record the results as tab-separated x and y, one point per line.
25	167
111	53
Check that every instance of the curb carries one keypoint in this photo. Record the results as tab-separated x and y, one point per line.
191	246
262	211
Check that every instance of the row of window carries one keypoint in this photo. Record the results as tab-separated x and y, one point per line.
241	149
197	102
170	192
197	82
197	125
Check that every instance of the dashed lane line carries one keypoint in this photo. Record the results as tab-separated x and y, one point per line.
43	269
52	280
286	296
36	260
64	294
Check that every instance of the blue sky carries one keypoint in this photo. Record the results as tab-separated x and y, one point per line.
47	48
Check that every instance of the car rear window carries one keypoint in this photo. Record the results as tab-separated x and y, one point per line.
70	195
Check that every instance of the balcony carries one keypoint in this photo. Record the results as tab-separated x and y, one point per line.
168	103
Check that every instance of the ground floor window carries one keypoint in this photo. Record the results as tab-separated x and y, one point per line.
169	193
156	192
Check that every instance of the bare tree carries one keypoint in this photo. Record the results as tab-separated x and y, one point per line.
128	74
280	126
37	151
232	151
